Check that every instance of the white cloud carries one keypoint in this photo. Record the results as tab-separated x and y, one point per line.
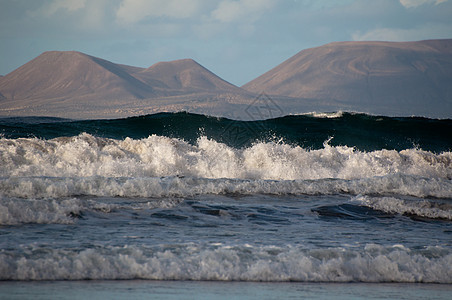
416	3
56	6
75	14
132	11
95	15
69	5
426	31
230	10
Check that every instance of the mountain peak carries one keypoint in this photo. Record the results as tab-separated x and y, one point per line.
65	74
360	75
76	75
176	64
184	75
63	53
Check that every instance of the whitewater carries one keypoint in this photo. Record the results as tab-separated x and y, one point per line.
313	198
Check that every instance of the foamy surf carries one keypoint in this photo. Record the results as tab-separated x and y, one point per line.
411	207
373	263
177	186
87	155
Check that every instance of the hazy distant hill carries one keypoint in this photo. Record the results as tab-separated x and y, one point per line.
67	75
75	85
376	77
70	75
182	77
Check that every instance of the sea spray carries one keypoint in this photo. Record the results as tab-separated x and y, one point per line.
373	263
155	156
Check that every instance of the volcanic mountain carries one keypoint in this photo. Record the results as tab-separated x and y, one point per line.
376	77
183	76
72	75
67	75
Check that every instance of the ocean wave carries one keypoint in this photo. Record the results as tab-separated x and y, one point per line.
19	211
364	132
327	115
57	200
14	211
373	263
174	186
415	208
86	155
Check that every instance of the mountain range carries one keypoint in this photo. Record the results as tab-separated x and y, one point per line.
388	78
71	75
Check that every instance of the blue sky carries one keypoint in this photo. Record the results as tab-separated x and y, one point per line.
236	39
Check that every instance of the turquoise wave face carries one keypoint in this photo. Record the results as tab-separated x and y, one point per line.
310	131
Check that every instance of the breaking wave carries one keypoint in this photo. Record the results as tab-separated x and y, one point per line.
86	155
245	262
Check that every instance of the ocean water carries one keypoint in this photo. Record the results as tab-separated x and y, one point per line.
317	198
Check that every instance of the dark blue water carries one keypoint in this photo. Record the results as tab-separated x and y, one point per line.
362	131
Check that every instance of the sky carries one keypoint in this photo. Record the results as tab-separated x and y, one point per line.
236	39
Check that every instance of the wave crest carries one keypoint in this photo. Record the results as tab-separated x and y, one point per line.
155	156
374	263
174	186
414	208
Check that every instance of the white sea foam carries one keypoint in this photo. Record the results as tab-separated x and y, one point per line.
427	209
374	263
327	115
31	200
323	115
155	156
164	167
15	211
156	187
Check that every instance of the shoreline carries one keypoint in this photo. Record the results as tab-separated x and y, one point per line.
121	289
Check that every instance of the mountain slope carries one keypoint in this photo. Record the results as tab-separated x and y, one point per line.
357	75
75	85
70	75
57	74
183	76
